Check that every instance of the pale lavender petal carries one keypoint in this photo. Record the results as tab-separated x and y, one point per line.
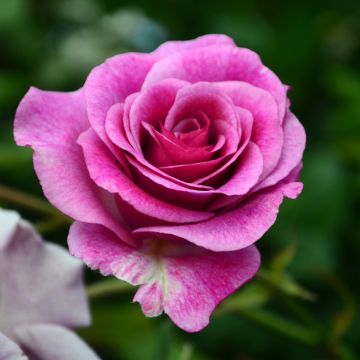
105	172
39	282
52	342
9	350
50	123
235	229
184	281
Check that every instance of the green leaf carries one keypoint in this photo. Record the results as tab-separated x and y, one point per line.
283	258
286	284
252	296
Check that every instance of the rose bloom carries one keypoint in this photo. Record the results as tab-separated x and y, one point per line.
173	164
42	297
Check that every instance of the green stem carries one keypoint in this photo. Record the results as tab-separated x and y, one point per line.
27	201
284	284
162	351
52	224
107	287
283	326
302	313
186	352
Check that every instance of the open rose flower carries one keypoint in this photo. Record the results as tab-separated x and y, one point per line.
173	164
42	296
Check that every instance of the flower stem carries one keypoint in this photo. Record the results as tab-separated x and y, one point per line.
52	224
315	338
283	326
107	287
186	352
27	201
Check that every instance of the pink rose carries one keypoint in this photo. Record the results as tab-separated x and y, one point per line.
173	164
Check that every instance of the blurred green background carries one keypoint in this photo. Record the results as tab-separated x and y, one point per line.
303	305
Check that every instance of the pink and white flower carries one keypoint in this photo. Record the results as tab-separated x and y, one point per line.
173	164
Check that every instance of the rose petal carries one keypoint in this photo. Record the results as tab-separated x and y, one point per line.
219	63
32	287
267	131
187	286
164	151
105	172
118	135
231	136
50	122
235	229
173	47
246	174
111	82
192	172
52	342
175	193
48	117
202	97
9	350
246	123
292	152
152	106
169	191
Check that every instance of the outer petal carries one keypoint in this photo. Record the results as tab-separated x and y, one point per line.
292	152
122	75
173	47
236	229
39	282
219	63
9	350
111	82
196	284
50	123
105	172
52	342
185	282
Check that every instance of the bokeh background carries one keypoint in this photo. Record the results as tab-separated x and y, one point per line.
303	305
